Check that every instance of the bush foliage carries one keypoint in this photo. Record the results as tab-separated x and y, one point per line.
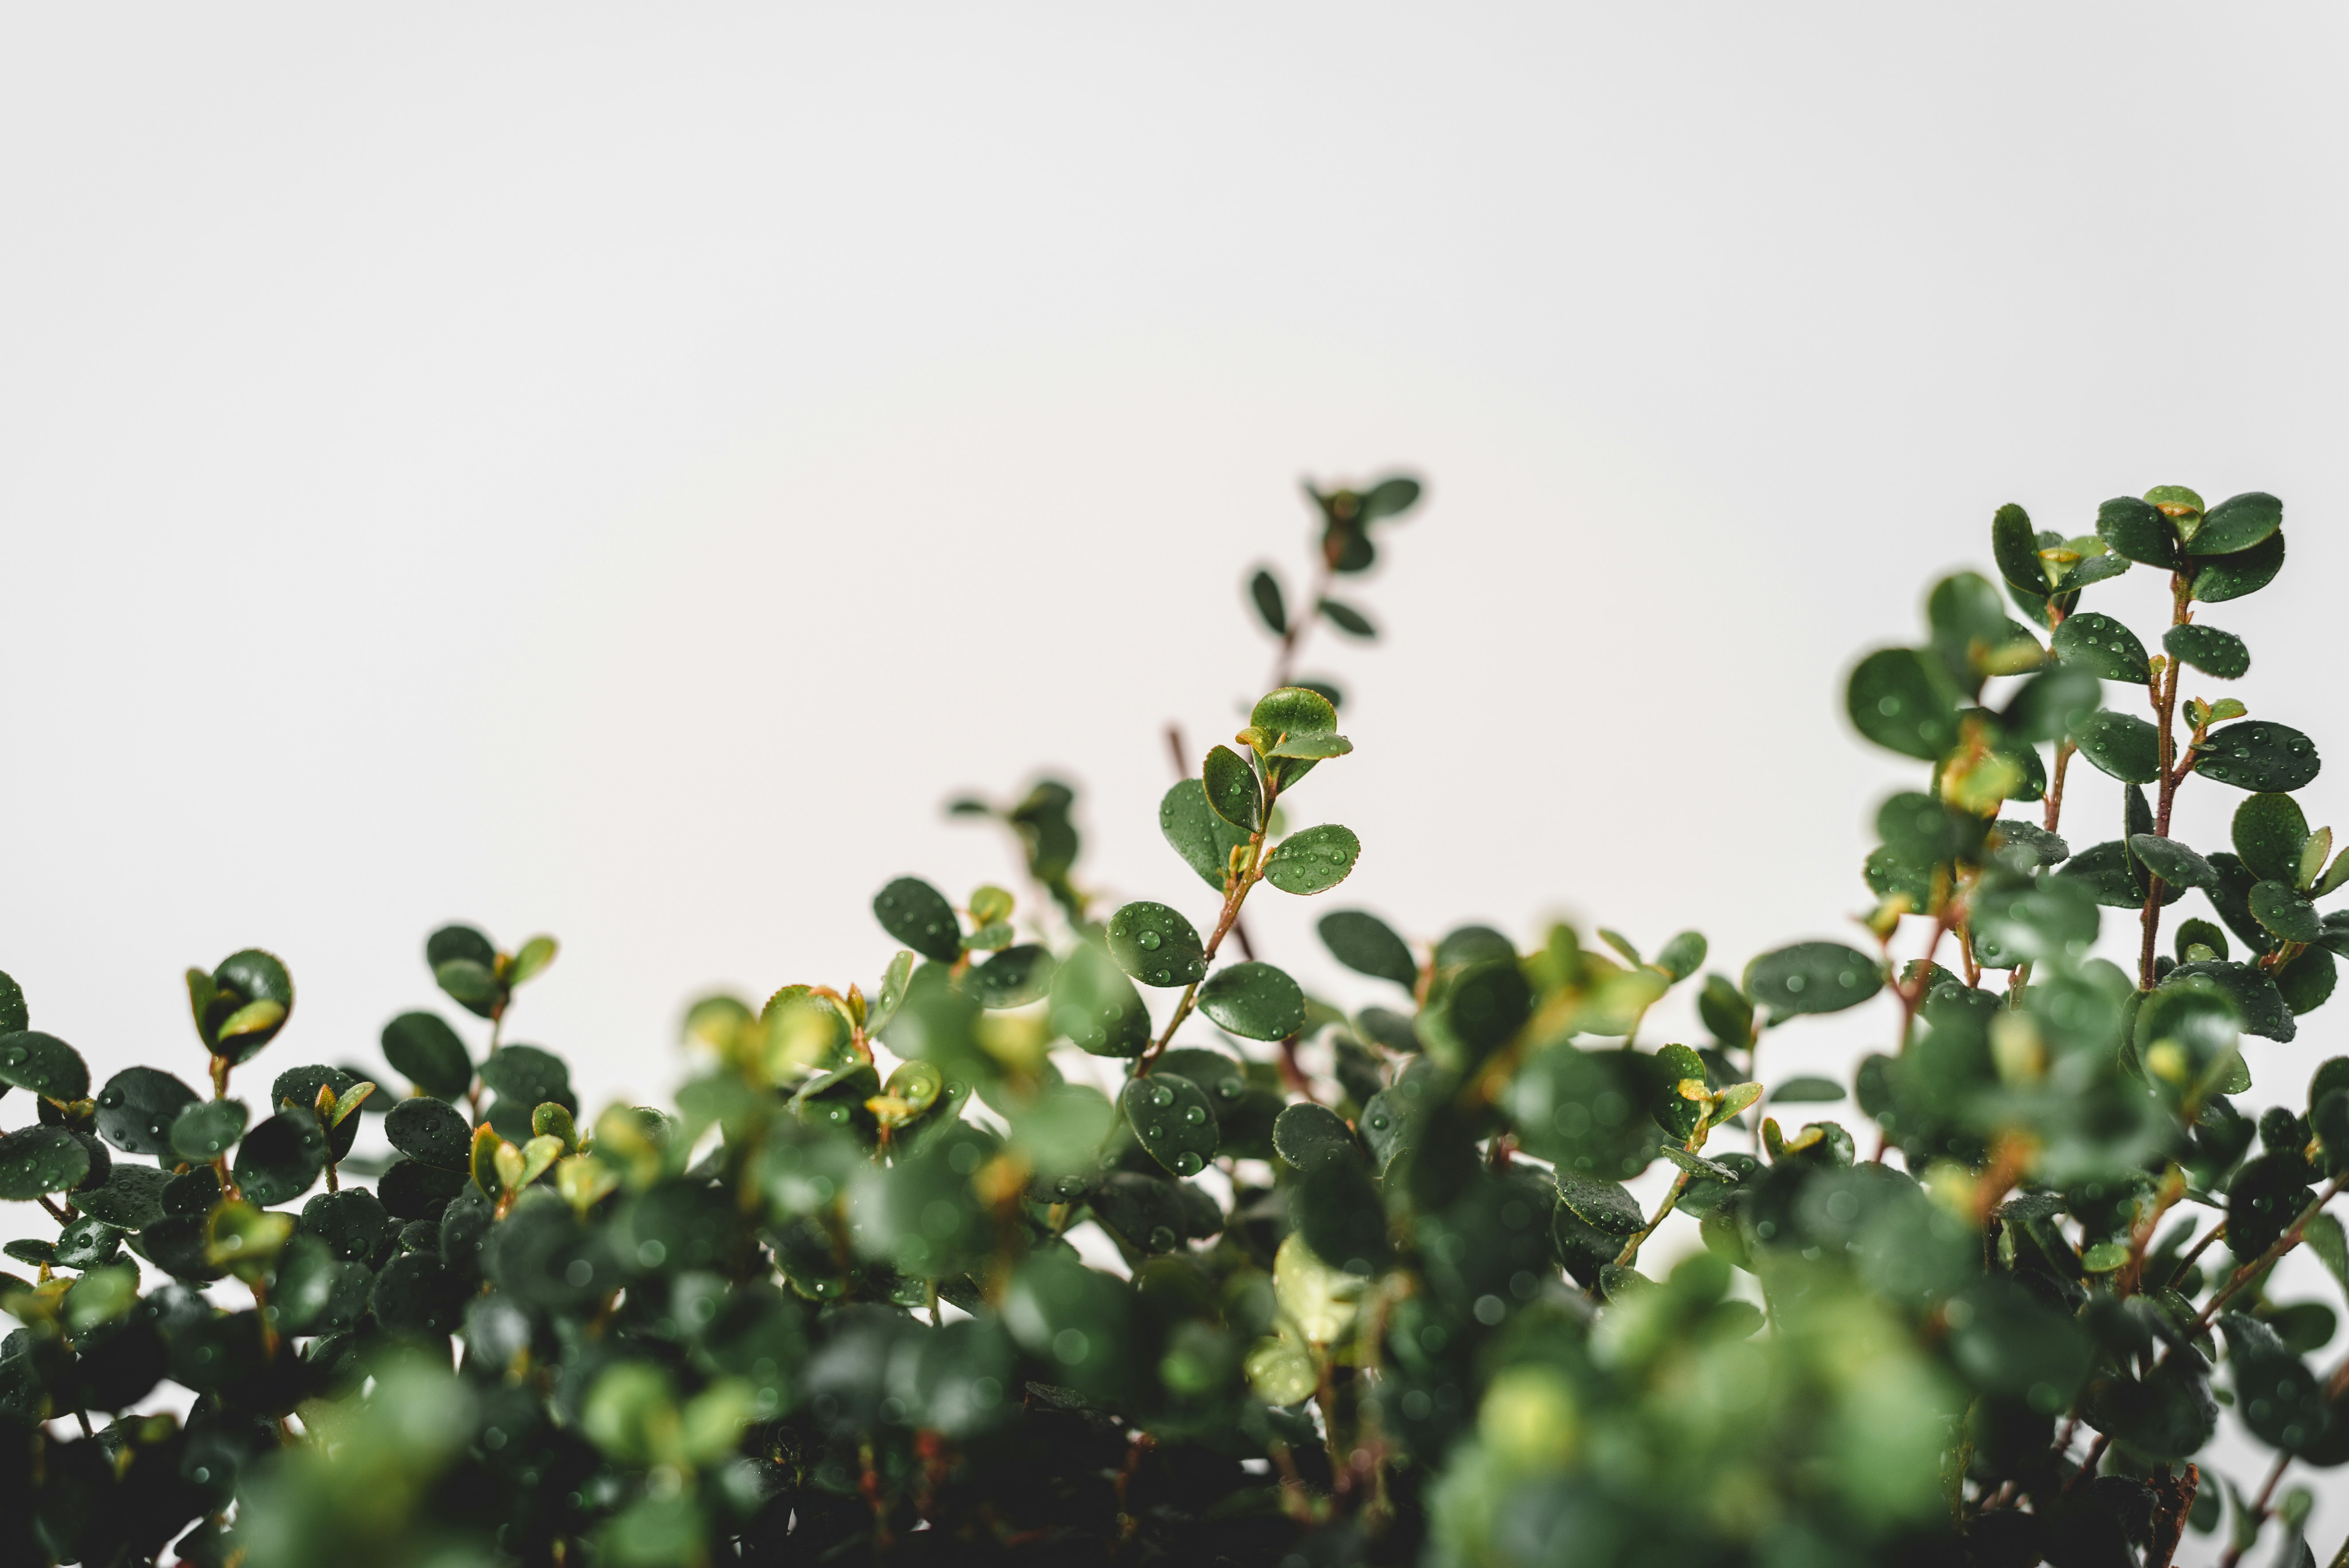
1354	1287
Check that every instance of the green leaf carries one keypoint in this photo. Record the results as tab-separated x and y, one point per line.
131	1200
1264	588
1348	619
43	1064
2106	874
208	1130
2237	523
278	1160
349	1101
2102	645
1904	703
1675	1112
14	1014
1603	1206
2324	1237
2172	861
1726	1012
526	1076
1806	1092
2283	909
1313	860
2225	577
1923	831
919	916
1342	1217
2049	705
2120	744
2306	982
1697	1165
2269	832
1156	946
2258	755
2249	990
1172	1121
1812	977
1297	726
235	1025
2093	566
1683	955
1254	1001
2015	923
422	1048
451	943
1310	1136
1368	945
1096	1006
1473	1010
1232	789
2015	548
38	1160
1391	497
895	980
531	960
474	985
1203	838
2209	650
2135	530
430	1130
1012	979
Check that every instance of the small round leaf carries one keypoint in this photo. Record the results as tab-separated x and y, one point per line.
919	916
38	1160
1310	1136
43	1064
1156	946
2209	650
2102	645
2120	744
423	1049
1368	945
2258	755
1812	977
430	1130
1096	1006
1254	1001
1313	860
1172	1121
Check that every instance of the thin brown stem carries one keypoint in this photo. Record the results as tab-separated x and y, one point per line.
1247	877
2199	1248
1182	755
2282	1244
2173	772
2054	810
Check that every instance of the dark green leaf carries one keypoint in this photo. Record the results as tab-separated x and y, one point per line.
417	1297
1603	1206
1812	977
1096	1006
423	1049
527	1076
2307	982
1391	497
2283	910
131	1200
1310	1136
208	1130
453	943
2172	861
1156	946
1368	945
1726	1012
430	1130
1313	860
14	1014
243	980
1343	1218
2269	832
1674	1111
2091	569
1265	589
413	1190
1472	945
1172	1121
1904	703
2026	846
43	1064
475	985
1254	1001
919	917
1348	619
352	1223
2015	548
278	1160
2223	577
37	1160
2103	647
2134	529
2209	650
2120	744
137	1107
1923	831
2106	872
1473	1010
2258	755
2250	989
2237	523
1203	838
1232	789
1683	955
1012	979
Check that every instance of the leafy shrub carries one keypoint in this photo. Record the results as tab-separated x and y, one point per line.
1381	1293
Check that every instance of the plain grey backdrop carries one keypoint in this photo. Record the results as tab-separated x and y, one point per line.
617	470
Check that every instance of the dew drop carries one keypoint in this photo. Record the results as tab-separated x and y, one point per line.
1195	1114
1188	1165
1162	1239
1149	940
1159	1095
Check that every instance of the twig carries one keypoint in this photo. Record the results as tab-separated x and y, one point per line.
2260	1513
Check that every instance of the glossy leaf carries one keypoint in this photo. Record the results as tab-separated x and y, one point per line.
2135	530
2016	550
1203	840
1312	861
1156	946
2269	832
37	1160
2172	861
2286	911
2209	650
1254	1001
1172	1121
2219	578
207	1130
43	1065
2258	755
430	1130
2237	523
1012	979
2120	744
1348	619
1232	789
2102	645
1311	1136
280	1160
918	916
1264	590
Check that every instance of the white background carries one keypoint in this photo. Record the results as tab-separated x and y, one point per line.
618	472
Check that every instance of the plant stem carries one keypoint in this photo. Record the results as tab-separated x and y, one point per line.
1182	755
2282	1244
2164	696
2053	813
1237	895
2199	1248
